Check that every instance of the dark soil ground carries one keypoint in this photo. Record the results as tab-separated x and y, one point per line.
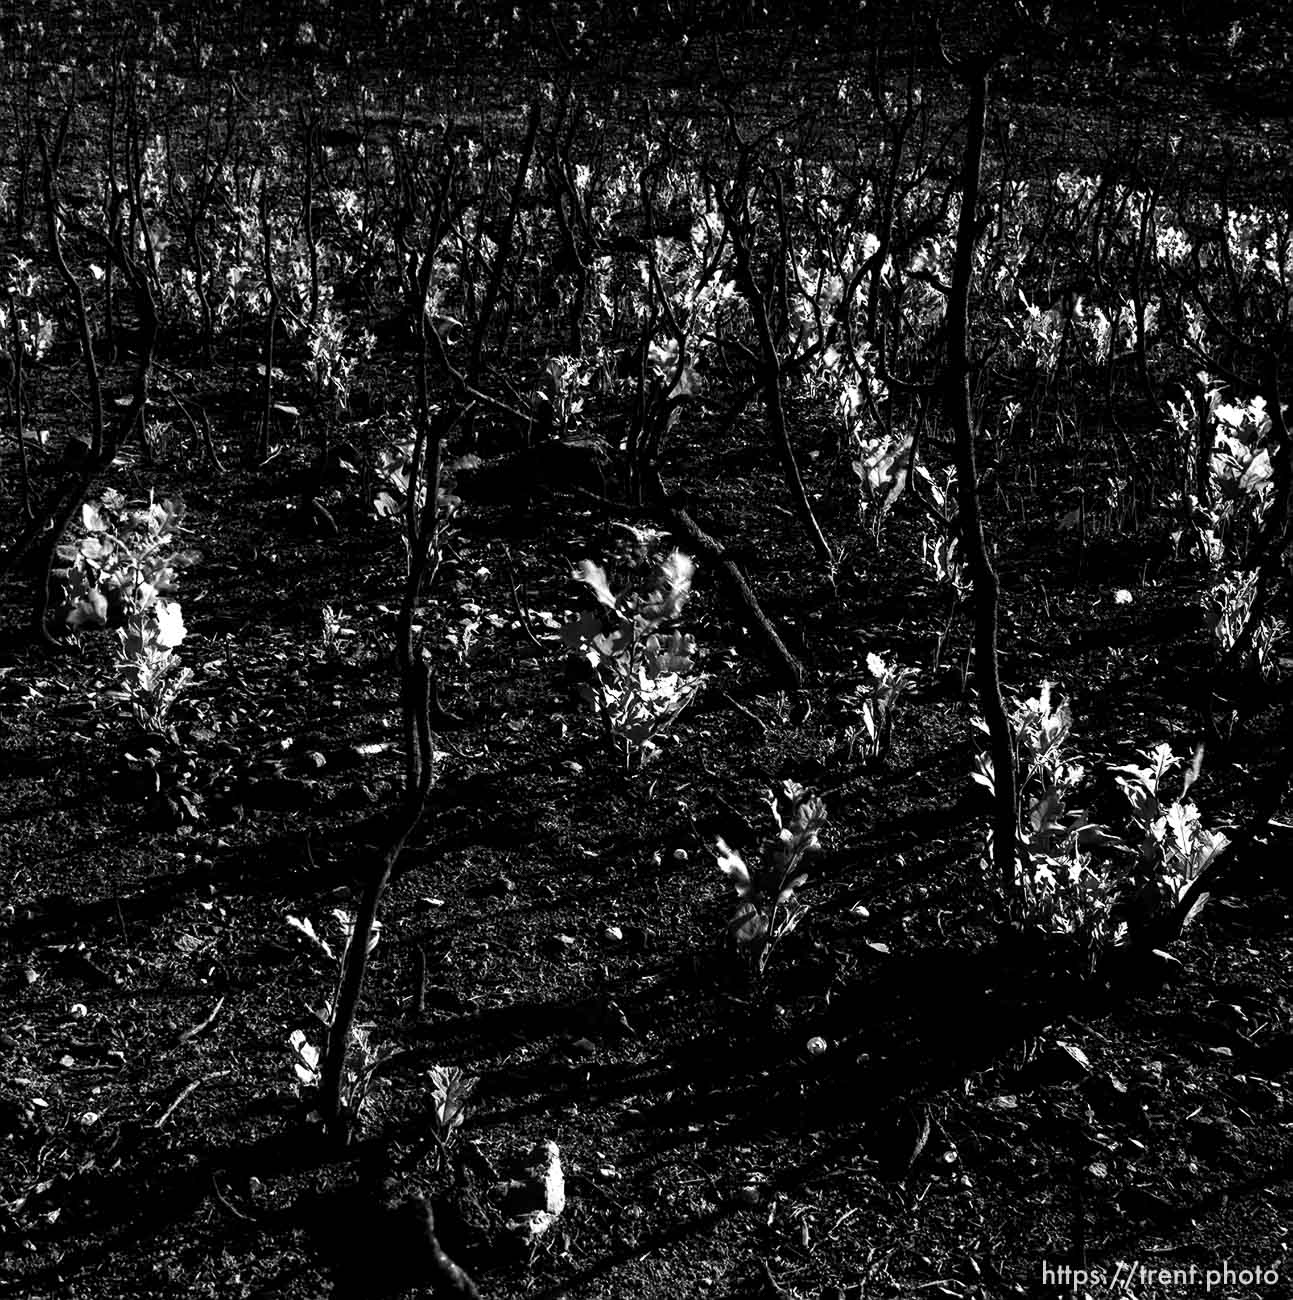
571	925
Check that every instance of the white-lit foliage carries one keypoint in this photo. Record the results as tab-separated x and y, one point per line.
119	574
768	906
642	675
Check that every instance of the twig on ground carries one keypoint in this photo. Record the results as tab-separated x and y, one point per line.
194	1030
228	1204
185	1093
419	1005
516	602
740	708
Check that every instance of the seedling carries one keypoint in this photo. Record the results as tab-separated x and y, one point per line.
362	1058
768	908
558	399
152	679
641	676
879	699
117	576
881	458
335	632
1076	877
1060	886
1227	607
451	1090
124	564
463	636
362	1062
1175	846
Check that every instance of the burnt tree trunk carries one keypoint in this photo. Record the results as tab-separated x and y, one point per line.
987	588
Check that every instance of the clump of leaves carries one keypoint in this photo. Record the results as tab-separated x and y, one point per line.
558	400
879	699
1061	887
462	636
334	631
362	1062
451	1090
1174	847
152	679
362	1058
334	354
768	908
1240	471
125	564
881	470
1074	875
1227	606
880	457
641	676
941	555
394	464
119	575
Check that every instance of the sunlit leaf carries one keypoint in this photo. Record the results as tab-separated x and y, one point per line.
90	611
170	623
594	576
731	864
